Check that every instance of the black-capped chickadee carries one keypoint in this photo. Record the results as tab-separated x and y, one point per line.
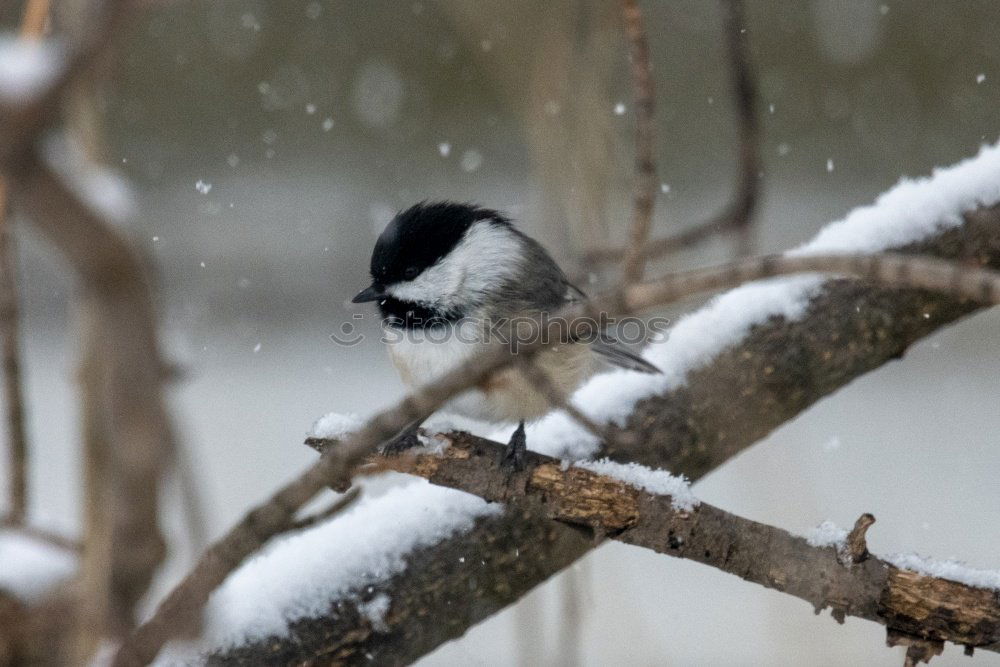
442	275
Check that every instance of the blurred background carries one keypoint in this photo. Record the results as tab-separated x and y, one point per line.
269	142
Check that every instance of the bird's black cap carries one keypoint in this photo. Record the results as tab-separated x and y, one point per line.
421	235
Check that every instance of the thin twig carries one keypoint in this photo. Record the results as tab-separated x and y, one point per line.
55	539
34	18
644	190
338	506
857	546
33	22
542	383
891	270
738	215
13	390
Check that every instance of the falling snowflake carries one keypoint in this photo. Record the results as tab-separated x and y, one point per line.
203	187
471	160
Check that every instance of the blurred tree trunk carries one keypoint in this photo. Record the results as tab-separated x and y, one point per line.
561	84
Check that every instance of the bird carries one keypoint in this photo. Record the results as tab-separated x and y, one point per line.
442	274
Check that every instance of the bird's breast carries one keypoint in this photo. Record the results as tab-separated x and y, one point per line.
421	355
505	396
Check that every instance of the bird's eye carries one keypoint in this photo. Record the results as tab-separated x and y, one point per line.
410	273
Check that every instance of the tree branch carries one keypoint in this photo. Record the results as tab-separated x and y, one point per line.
13	391
127	383
927	607
273	516
644	195
776	371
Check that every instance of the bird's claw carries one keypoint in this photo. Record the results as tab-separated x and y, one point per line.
402	442
515	455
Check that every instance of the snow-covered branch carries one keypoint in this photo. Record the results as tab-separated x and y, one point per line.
273	516
733	371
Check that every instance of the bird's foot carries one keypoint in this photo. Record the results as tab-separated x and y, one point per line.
408	439
516	452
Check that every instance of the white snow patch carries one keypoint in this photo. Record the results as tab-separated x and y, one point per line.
29	567
658	482
952	570
104	190
335	425
300	575
915	208
375	611
827	534
27	67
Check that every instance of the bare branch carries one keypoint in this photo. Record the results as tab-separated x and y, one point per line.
333	510
890	270
542	382
857	547
34	18
55	539
22	122
32	27
644	195
13	392
738	215
127	381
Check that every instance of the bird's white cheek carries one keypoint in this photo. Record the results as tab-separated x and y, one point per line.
437	286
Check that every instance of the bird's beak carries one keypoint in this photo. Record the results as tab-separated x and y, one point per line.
373	293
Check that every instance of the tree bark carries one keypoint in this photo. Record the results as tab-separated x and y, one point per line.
852	583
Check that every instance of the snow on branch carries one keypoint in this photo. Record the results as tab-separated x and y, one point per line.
27	68
732	372
790	298
936	606
30	567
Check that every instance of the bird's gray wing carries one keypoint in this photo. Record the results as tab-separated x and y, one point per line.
609	349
